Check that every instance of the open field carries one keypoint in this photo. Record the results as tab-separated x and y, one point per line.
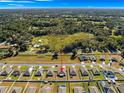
56	42
47	59
38	59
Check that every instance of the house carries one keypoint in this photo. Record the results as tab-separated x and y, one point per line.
78	90
121	88
4	50
102	58
82	58
16	72
106	88
95	72
39	72
3	89
9	70
61	73
49	73
92	59
93	89
62	89
46	89
4	46
110	76
72	72
14	91
28	72
31	90
4	73
83	71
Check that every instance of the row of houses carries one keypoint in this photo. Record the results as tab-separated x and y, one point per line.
103	87
102	58
49	72
62	89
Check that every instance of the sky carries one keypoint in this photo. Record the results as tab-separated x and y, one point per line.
8	4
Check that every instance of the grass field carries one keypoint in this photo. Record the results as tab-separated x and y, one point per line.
57	41
39	59
47	59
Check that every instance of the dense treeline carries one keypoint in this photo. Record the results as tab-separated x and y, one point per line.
15	32
19	26
110	44
61	12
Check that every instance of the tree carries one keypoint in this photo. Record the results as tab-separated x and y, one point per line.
74	54
122	55
55	55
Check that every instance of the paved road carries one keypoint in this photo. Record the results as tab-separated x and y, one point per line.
56	80
77	64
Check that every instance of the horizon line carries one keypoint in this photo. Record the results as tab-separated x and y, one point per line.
63	8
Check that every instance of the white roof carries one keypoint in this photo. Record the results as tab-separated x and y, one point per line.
46	89
31	90
77	89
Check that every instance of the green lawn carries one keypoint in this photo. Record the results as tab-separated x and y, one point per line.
57	41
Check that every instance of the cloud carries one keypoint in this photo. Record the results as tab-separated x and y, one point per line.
6	0
16	5
17	1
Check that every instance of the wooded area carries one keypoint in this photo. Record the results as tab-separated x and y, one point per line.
106	27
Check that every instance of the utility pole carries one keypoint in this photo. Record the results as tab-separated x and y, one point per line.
62	69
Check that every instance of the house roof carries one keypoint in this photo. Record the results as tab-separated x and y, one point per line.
102	58
16	72
4	73
78	89
49	73
92	58
26	73
38	73
93	89
14	91
121	88
46	89
3	46
31	90
61	74
82	57
62	89
72	71
83	71
95	71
